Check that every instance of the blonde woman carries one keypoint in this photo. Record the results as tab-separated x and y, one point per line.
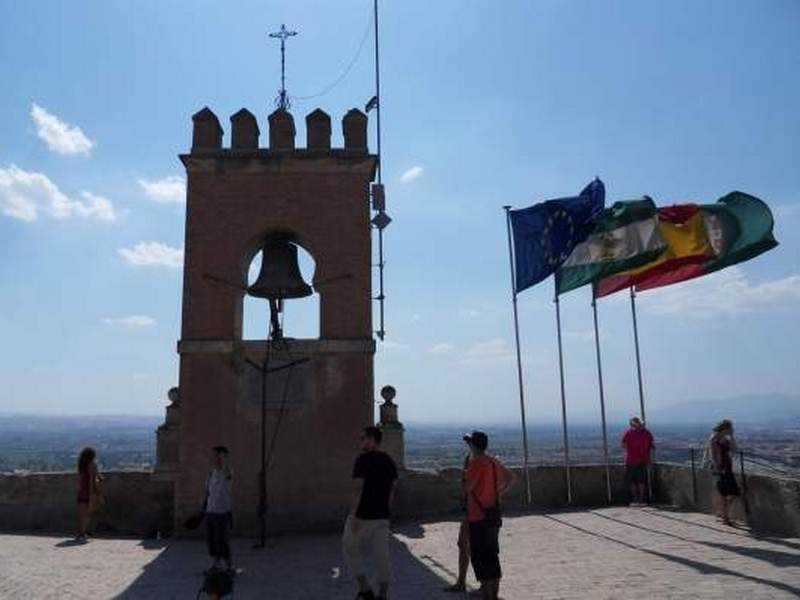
719	452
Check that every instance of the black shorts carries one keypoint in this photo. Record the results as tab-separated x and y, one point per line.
636	474
484	551
726	484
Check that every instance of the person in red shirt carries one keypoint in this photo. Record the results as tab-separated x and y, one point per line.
638	444
485	483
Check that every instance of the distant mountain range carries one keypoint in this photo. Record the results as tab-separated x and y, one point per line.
750	409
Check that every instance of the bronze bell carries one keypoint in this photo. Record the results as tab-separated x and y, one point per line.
280	276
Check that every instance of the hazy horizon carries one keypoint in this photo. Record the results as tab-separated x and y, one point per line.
747	409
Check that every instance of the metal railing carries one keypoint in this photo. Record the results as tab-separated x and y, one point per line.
761	461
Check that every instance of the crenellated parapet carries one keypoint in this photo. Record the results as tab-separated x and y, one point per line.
208	135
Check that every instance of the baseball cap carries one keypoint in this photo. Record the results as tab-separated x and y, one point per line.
478	439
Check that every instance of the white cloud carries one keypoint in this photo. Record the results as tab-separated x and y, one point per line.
725	293
441	349
469	313
411	174
25	195
95	206
416	318
59	136
148	254
168	189
390	345
131	321
496	348
787	210
586	335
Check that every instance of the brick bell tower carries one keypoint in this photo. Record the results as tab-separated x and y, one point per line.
239	198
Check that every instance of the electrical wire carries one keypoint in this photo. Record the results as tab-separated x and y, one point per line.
347	69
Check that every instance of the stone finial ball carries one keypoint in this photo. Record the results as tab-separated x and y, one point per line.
173	395
388	393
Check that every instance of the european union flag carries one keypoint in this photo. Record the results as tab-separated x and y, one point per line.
545	234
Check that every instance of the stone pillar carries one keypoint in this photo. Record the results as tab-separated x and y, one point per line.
394	443
167	439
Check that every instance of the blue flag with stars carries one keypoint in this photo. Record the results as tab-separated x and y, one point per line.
545	234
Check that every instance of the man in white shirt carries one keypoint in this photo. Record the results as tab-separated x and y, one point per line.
218	509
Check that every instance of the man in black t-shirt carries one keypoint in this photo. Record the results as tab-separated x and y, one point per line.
367	526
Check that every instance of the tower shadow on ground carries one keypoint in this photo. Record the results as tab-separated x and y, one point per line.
291	567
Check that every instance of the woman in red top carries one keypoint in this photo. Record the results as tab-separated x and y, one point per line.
88	490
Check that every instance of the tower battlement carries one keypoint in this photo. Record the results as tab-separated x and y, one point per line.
208	134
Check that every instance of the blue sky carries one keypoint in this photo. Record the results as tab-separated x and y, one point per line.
485	104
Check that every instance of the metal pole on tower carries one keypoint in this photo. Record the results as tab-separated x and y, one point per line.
378	108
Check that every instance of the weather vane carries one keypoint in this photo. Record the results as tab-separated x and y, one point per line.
283	100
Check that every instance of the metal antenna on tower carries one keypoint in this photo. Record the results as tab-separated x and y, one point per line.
283	34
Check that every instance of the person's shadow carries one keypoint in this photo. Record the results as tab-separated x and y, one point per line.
72	542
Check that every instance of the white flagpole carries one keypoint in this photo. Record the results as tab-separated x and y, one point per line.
638	358
519	362
641	386
563	402
602	396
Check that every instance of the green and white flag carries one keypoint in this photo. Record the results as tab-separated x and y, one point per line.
624	236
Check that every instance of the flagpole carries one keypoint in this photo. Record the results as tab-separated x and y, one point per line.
602	396
519	362
563	401
639	376
638	358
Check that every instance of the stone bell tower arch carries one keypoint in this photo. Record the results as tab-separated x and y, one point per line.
237	197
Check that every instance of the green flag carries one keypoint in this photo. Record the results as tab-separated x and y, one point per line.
624	236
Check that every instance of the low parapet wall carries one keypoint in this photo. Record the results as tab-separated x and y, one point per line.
432	493
139	504
772	503
136	503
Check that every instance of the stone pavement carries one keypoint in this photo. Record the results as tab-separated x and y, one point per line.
650	554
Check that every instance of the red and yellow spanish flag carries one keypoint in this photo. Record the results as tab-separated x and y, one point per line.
740	228
684	230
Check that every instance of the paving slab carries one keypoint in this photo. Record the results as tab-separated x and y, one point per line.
608	553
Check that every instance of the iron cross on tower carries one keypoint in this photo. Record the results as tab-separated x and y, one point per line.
283	100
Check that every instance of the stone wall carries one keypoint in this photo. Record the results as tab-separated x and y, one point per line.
431	493
773	502
140	504
136	503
